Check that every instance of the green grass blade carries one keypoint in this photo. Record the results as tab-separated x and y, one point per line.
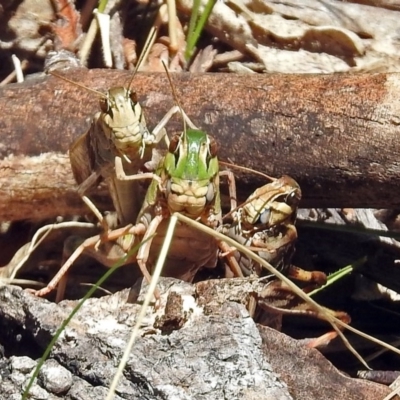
332	278
196	25
102	5
192	23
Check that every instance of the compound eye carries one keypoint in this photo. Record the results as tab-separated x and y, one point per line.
213	147
104	105
174	143
292	199
133	96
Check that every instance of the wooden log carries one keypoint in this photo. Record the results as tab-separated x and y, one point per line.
336	134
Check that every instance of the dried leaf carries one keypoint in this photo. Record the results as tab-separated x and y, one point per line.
67	28
309	36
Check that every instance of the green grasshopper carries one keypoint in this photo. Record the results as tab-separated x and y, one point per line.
188	183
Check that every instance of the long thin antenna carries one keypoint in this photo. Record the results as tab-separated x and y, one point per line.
77	84
253	171
175	96
143	55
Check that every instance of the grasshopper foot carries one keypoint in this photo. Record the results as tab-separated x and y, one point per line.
313	277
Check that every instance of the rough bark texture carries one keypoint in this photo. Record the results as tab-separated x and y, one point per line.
42	187
197	348
337	135
315	371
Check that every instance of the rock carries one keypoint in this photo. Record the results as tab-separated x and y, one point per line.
191	351
55	378
22	364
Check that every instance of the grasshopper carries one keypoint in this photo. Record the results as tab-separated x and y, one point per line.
117	138
189	177
265	225
187	182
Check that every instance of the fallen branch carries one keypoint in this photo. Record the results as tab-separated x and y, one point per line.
336	134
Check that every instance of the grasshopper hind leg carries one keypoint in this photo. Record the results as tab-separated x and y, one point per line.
278	298
70	245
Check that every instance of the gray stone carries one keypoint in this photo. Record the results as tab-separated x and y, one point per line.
199	345
55	378
22	364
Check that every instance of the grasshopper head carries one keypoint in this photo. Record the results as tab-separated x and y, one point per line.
273	203
191	166
123	119
118	104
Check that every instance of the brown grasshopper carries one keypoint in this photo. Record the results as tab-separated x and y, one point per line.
118	138
265	225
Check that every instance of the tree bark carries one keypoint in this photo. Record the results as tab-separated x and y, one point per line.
337	135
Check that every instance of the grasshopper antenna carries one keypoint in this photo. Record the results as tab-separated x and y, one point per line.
143	55
77	84
175	95
250	170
